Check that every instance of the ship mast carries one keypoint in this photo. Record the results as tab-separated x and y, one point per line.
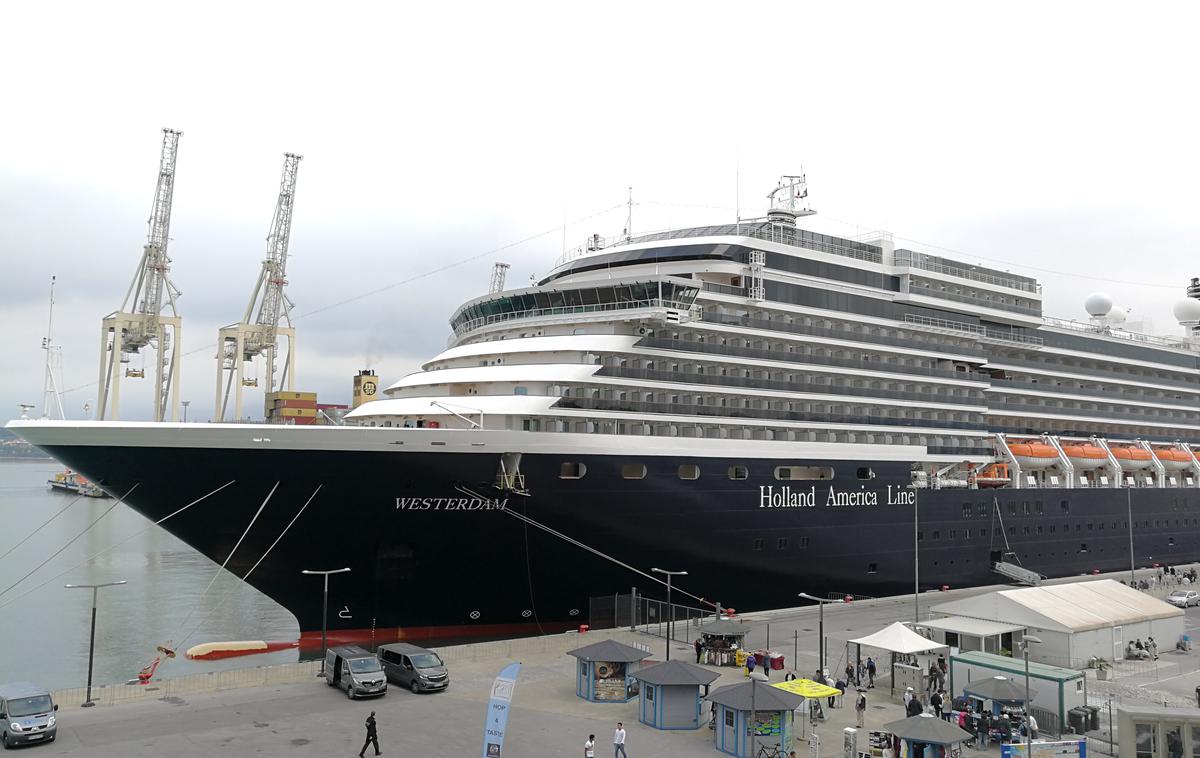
51	394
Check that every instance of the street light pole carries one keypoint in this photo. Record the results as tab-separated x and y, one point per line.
820	625
670	608
185	404
916	563
324	610
1028	706
755	678
95	588
1129	515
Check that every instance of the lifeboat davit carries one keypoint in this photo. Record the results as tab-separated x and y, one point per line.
1034	454
1131	458
1172	458
1085	456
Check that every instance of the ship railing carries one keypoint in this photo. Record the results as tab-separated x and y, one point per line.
1124	334
913	259
573	310
982	302
971	330
757	229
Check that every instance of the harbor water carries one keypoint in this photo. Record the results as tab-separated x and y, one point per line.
44	627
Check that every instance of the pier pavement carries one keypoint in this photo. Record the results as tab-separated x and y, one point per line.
289	711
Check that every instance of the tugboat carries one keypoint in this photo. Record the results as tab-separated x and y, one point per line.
69	481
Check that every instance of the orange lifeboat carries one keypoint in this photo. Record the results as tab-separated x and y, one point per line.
1131	458
1034	454
993	475
1173	458
1085	456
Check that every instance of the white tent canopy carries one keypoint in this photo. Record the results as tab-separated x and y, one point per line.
1069	608
898	638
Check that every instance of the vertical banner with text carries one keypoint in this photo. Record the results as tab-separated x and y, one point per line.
497	712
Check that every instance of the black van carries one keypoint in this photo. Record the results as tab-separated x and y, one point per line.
414	667
354	670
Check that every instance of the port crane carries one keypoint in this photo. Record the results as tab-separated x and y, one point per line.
141	324
243	342
499	272
51	391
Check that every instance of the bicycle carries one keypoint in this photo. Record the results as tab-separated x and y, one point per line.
776	751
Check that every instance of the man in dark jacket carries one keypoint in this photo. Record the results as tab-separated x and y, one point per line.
936	701
699	648
914	706
372	736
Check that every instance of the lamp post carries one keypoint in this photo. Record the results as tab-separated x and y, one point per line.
185	404
95	588
324	609
820	601
916	562
755	677
1025	640
1129	515
670	608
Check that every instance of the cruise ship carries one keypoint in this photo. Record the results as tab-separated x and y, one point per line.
770	409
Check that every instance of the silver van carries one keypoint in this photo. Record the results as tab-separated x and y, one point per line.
27	714
356	671
414	667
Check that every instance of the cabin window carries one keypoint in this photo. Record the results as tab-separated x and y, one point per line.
872	568
572	471
758	544
525	391
1083	547
865	473
739	472
633	471
781	543
792	473
689	471
966	510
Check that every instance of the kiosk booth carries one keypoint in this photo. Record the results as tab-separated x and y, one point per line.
604	671
720	642
750	715
926	736
671	694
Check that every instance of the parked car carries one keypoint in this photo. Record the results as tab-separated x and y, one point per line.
414	667
1184	598
26	714
355	671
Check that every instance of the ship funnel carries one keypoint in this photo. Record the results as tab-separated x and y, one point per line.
366	387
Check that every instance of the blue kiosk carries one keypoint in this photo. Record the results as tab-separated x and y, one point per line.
671	694
604	671
768	709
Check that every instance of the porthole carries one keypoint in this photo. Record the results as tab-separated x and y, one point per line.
570	470
738	473
793	473
633	471
689	471
474	614
865	473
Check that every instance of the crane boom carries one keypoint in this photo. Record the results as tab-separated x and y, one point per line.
275	305
140	323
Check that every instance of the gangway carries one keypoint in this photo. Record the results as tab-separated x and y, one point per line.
1018	574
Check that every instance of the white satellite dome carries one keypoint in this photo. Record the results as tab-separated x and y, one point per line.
1117	315
1186	310
1098	304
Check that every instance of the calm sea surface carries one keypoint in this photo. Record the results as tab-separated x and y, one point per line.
44	627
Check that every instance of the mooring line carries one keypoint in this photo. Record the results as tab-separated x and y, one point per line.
45	523
58	552
246	576
217	573
109	549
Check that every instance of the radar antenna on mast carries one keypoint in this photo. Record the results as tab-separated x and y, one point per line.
141	323
789	199
499	272
242	342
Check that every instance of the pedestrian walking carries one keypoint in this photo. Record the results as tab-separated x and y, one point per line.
372	736
983	730
699	649
933	678
870	672
860	708
750	664
850	674
589	747
935	700
619	741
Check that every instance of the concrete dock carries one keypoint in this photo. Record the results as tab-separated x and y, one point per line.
287	710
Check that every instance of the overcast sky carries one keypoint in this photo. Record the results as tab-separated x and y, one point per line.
1052	139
